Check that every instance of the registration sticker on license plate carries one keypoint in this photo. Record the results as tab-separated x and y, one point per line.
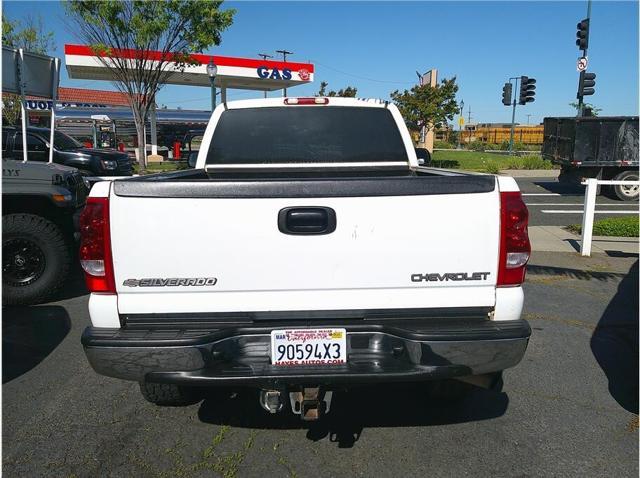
309	347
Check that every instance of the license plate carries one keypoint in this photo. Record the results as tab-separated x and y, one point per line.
309	347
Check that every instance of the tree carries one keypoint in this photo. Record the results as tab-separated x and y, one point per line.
428	106
174	28
348	92
30	37
594	110
323	89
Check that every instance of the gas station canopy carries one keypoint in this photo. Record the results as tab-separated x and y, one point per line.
236	73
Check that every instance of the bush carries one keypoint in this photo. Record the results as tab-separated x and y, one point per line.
535	162
531	161
476	146
442	145
615	226
518	146
491	167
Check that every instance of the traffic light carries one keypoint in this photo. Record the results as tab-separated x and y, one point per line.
582	35
586	84
527	90
506	94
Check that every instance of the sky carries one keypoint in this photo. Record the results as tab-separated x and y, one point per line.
378	47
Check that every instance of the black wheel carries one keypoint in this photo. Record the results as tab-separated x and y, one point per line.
167	394
626	193
35	259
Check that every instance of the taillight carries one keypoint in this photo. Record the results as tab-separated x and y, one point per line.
514	240
95	246
306	101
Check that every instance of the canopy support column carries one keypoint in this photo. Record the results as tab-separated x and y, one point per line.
154	132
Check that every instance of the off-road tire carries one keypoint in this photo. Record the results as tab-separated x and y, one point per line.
55	247
169	395
625	193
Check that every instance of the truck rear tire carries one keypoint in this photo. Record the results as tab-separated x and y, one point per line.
167	394
626	193
35	259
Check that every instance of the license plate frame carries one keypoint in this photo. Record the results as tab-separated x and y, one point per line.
311	347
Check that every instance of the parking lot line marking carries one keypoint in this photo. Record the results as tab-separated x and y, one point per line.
541	194
553	211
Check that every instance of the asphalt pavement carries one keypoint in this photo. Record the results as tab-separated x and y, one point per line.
568	409
552	203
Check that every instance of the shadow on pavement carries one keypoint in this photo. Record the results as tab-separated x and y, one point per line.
356	409
615	342
561	188
573	273
74	285
621	254
29	334
576	246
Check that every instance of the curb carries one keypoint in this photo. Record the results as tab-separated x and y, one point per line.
558	239
531	173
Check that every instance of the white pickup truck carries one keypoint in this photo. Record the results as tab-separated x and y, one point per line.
306	251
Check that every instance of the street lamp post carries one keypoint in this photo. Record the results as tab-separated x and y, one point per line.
212	70
459	125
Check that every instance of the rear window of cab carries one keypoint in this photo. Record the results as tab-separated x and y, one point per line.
306	134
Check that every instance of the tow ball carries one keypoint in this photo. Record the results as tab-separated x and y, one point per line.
308	402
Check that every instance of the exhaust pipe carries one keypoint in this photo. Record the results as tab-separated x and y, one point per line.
488	381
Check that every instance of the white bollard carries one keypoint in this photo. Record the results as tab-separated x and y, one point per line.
587	216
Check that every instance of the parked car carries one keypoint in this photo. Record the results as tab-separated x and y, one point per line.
320	255
603	147
41	204
66	151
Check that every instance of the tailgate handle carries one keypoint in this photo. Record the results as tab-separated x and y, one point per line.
310	220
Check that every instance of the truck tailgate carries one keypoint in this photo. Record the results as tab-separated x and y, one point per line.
403	248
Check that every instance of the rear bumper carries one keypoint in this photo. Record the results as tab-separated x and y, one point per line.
380	351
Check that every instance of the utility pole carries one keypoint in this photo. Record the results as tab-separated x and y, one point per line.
469	115
265	57
284	58
528	116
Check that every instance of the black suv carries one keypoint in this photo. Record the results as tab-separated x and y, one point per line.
66	150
